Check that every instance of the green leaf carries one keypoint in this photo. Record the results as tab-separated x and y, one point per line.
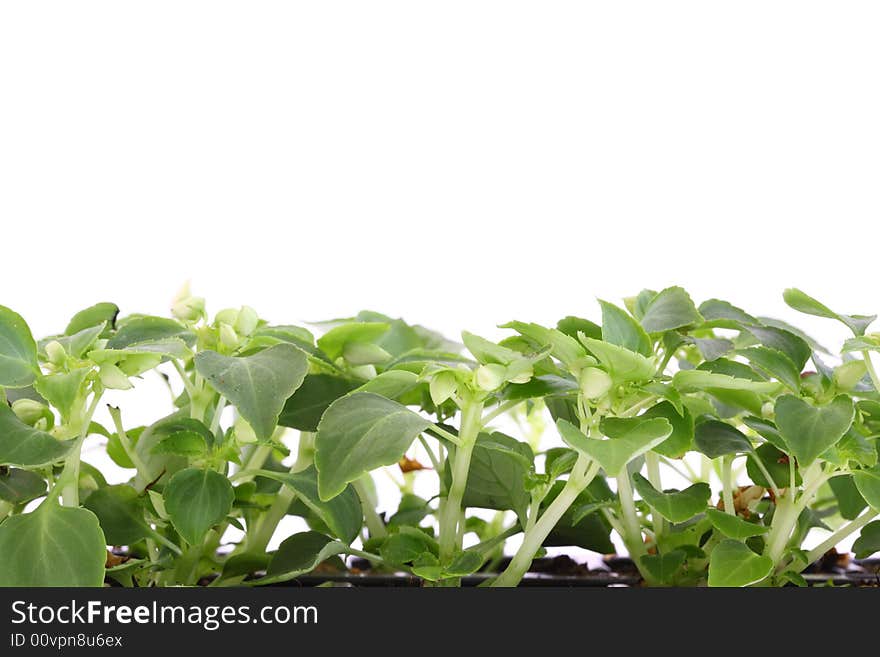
713	348
182	436
22	445
696	380
141	329
793	346
300	554
334	342
303	410
499	465
868	541
810	430
343	514
101	313
715	438
62	390
804	303
620	329
392	384
120	511
850	502
723	314
52	546
868	483
622	364
663	567
681	440
775	364
18	351
358	433
732	564
672	308
196	500
776	462
675	506
734	526
257	385
628	439
20	486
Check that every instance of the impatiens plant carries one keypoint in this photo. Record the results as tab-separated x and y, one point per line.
571	434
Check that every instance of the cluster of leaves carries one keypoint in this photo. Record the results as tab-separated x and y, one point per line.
659	388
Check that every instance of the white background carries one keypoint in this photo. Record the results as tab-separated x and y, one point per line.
458	163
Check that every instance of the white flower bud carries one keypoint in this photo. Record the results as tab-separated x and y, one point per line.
594	382
490	377
247	321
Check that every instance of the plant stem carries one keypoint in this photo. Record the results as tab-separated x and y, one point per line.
764	471
632	535
727	484
652	461
69	479
434	460
581	476
129	449
375	525
839	535
450	534
218	411
872	371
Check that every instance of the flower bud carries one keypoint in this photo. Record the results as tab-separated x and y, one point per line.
226	316
32	412
56	354
187	307
490	377
247	321
594	382
228	336
442	386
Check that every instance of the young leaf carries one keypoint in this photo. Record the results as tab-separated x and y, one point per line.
621	330
52	546
300	554
342	515
622	364
810	430
793	346
681	440
776	463
807	304
733	564
18	351
628	439
120	512
715	438
22	445
182	436
61	390
303	410
196	500
775	364
671	308
20	486
675	506
734	526
564	347
696	380
407	545
258	385
392	385
358	433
